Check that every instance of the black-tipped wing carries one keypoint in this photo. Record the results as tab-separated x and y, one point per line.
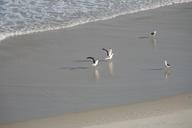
168	65
91	59
106	51
152	33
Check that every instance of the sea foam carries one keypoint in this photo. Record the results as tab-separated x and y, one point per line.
18	17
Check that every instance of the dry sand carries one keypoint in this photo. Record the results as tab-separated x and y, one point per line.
170	112
45	74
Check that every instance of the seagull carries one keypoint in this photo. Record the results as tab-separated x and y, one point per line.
167	66
95	62
109	53
153	34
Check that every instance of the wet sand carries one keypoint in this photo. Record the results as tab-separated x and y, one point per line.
47	74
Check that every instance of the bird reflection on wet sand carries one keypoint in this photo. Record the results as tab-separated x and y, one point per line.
110	68
167	73
153	42
96	74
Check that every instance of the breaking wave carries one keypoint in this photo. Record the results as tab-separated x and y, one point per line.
18	17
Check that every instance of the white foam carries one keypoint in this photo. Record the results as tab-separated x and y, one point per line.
32	28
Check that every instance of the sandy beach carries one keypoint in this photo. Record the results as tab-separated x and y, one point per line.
169	112
46	81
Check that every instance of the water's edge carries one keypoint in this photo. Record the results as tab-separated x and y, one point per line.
79	17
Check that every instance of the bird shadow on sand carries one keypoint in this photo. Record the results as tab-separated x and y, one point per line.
81	61
85	61
73	68
143	37
79	67
153	69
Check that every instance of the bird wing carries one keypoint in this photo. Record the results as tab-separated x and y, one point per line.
110	51
168	64
91	59
106	51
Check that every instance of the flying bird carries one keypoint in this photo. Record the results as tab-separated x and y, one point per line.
167	66
95	61
109	53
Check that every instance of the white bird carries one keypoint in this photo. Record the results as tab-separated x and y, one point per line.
95	62
153	34
109	53
167	66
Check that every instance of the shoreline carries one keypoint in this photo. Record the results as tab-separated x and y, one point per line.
15	34
171	111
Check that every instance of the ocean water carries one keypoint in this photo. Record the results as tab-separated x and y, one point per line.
18	17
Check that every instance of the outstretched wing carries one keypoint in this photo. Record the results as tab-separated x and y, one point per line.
91	59
106	51
110	52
